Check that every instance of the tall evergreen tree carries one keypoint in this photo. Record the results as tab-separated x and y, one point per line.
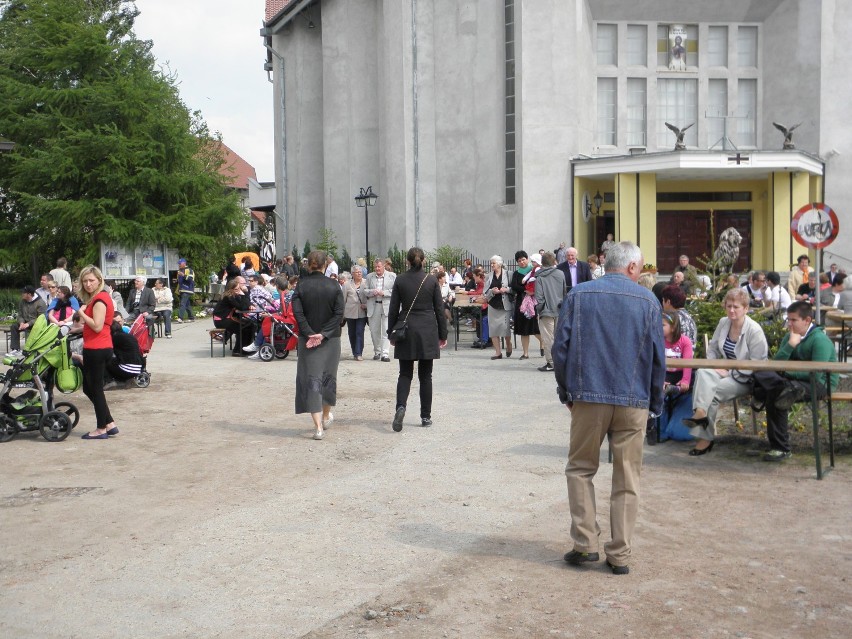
105	151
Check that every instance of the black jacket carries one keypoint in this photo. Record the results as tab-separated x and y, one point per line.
426	323
584	273
318	306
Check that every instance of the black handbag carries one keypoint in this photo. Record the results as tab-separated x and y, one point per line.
400	330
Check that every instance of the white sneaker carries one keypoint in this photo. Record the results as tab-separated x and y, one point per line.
325	423
318	435
251	348
255	356
179	320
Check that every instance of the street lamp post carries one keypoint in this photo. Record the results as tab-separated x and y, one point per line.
364	200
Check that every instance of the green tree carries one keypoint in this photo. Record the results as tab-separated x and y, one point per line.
327	242
105	151
447	255
306	251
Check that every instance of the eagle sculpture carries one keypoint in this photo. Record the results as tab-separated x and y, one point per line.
788	134
679	133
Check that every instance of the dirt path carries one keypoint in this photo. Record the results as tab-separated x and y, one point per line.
214	514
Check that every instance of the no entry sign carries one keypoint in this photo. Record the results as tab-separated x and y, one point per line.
815	225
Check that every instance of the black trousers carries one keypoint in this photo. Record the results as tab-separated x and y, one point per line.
244	327
94	365
403	384
777	420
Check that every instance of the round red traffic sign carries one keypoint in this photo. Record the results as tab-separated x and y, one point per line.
815	225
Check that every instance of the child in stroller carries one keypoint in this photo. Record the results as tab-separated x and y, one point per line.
44	363
278	334
128	362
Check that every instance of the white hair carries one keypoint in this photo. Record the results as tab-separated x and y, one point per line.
496	258
620	256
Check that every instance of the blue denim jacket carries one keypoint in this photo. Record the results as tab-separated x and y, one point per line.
608	346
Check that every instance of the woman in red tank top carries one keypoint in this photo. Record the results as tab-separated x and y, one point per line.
96	312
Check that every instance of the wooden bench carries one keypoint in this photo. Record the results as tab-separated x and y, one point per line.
814	369
220	335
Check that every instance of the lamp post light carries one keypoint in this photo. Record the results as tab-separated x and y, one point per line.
364	200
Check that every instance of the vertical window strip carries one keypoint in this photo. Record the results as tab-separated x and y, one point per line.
717	111
637	45
636	111
509	176
607	111
717	46
747	47
607	44
747	112
677	104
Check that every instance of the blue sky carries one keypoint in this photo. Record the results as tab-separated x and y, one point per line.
214	48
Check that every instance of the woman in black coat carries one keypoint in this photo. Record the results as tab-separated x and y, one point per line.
426	335
318	308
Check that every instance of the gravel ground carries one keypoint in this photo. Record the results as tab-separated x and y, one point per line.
214	514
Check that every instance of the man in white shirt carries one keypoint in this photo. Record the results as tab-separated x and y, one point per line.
454	278
775	297
330	266
60	275
44	291
376	295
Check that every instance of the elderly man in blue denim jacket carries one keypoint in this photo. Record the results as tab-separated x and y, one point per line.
610	365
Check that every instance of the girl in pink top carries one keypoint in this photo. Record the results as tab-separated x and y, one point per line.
677	346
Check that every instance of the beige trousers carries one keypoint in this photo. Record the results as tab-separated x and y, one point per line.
546	327
590	424
710	390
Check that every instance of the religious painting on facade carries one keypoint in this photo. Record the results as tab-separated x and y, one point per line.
677	47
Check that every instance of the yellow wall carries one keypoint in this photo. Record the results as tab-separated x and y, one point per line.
773	203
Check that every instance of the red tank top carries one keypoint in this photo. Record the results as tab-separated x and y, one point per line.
103	339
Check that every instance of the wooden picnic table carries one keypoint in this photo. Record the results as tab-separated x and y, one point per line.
780	365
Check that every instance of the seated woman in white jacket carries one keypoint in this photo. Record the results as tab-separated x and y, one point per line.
737	336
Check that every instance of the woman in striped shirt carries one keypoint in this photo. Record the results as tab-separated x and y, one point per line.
737	336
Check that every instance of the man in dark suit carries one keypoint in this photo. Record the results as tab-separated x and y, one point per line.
141	300
576	272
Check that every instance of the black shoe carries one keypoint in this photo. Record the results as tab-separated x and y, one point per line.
651	434
547	368
576	558
696	422
398	417
425	422
385	358
695	452
377	357
618	570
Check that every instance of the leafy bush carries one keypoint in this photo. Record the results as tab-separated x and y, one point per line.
397	258
708	313
9	300
447	255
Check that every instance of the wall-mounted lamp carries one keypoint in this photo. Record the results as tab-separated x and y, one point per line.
598	201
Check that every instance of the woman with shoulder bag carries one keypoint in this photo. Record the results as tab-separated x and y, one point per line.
416	302
500	306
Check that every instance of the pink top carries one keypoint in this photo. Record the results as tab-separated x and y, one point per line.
681	349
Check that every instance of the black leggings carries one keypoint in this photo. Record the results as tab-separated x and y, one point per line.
94	365
245	327
403	384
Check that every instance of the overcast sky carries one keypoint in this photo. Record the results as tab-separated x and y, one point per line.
215	49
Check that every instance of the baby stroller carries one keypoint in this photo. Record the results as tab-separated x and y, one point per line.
44	363
280	332
139	330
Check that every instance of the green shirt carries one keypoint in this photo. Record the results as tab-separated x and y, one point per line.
814	347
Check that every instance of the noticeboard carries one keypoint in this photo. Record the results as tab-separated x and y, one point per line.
150	260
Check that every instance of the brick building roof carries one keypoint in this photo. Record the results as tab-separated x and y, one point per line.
235	169
274	7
